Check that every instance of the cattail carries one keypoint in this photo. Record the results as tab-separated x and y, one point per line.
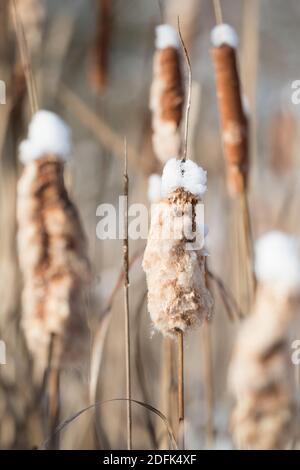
51	243
32	14
233	118
259	375
174	259
167	95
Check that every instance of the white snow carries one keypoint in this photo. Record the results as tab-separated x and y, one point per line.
166	36
154	188
187	175
223	34
277	260
47	134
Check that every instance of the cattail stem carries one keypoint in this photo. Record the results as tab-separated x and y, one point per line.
180	369
53	376
208	382
126	304
189	97
248	237
168	385
218	11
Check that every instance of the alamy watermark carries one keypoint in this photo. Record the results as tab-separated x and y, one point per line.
170	220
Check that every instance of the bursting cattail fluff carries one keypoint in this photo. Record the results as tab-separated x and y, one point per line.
167	95
259	375
233	118
51	244
174	259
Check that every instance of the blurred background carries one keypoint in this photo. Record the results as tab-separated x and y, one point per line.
62	39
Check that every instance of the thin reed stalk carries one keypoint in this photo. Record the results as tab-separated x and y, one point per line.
188	102
208	382
25	58
180	369
168	385
126	304
218	11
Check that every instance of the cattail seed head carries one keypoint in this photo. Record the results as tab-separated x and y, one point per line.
32	14
178	298
234	122
51	244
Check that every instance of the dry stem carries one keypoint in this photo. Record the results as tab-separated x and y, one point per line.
218	11
188	104
24	53
208	382
53	391
180	369
126	305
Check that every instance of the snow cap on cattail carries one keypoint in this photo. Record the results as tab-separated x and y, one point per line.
233	115
33	15
166	36
48	134
183	174
224	34
277	261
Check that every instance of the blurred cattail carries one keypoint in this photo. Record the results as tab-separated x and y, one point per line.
32	14
234	122
174	259
167	95
99	57
259	372
51	243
